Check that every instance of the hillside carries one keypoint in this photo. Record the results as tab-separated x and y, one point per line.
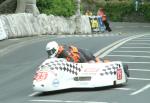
7	6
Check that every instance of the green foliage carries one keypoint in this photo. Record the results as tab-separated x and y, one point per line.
145	11
57	7
1	1
119	11
90	1
116	11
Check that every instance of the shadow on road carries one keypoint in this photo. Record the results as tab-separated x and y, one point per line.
76	90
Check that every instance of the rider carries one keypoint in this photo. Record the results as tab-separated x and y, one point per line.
71	53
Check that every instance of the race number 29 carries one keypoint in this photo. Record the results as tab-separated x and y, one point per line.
119	74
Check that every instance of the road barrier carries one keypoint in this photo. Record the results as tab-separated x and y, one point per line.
96	24
101	24
2	31
26	24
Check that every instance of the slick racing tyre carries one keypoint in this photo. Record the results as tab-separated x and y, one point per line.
126	70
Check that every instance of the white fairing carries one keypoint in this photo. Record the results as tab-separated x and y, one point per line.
56	74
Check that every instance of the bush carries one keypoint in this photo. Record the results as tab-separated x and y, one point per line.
120	11
1	1
57	7
145	11
116	11
126	12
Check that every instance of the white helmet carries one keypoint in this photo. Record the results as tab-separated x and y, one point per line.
52	48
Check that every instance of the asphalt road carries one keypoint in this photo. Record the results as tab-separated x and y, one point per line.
128	43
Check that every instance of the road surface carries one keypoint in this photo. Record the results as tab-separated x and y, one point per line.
129	43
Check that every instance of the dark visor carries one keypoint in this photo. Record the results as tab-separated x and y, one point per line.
51	52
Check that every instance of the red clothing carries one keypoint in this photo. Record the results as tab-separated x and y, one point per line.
102	14
74	54
71	53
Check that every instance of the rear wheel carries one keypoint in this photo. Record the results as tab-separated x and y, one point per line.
126	70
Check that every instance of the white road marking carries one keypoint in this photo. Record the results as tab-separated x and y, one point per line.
141	90
136	47
33	94
126	89
139	43
144	79
137	62
145	38
146	26
107	47
132	51
119	27
142	70
63	101
13	39
92	35
140	40
115	45
133	26
131	56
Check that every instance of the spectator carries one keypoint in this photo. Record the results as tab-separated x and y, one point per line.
88	13
101	13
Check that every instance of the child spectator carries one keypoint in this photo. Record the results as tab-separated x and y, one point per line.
88	13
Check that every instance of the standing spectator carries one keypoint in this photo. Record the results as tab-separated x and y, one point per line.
88	13
101	13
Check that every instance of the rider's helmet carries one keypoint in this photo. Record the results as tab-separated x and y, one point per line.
52	48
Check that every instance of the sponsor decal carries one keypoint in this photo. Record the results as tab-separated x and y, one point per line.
55	83
94	24
119	74
40	76
88	73
91	70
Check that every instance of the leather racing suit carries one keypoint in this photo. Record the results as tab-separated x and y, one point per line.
74	54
